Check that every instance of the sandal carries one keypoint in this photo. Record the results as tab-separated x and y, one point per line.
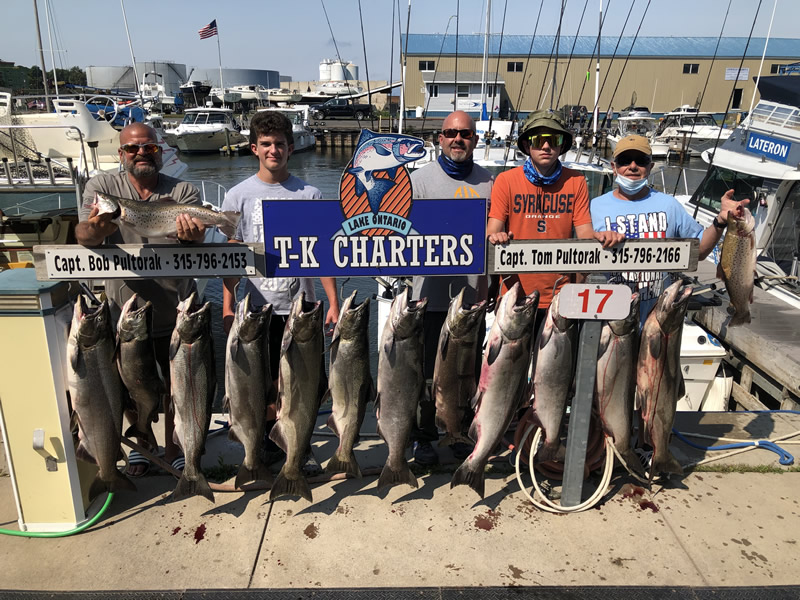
179	463
136	459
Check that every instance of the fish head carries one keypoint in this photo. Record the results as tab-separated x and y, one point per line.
305	318
408	149
406	315
671	307
251	322
742	227
192	322
560	322
353	318
135	322
462	318
515	313
629	323
106	204
92	323
379	152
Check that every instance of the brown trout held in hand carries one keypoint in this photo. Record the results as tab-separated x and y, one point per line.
139	368
248	385
502	382
454	378
737	265
616	381
157	219
96	393
401	384
194	383
659	380
300	374
350	381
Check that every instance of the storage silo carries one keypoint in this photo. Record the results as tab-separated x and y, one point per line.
110	78
352	71
325	69
338	69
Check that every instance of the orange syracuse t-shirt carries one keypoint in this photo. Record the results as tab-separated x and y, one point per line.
533	212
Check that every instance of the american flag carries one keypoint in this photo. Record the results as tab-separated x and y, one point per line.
635	234
209	30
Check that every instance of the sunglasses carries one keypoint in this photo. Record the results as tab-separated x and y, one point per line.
537	140
623	161
147	148
466	134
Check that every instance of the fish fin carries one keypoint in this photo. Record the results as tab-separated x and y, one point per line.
466	474
284	486
174	344
494	349
233	437
360	187
444	342
228	229
382	150
331	422
134	431
475	401
391	478
655	346
187	488
235	345
73	354
665	464
334	347
82	453
260	473
344	464
226	404
392	173
377	192
276	435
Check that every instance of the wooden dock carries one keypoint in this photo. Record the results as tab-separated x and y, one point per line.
344	133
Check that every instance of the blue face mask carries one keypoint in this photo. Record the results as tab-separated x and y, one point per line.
630	187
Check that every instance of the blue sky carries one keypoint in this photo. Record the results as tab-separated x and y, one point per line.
293	36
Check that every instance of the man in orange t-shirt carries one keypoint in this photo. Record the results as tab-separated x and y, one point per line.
542	200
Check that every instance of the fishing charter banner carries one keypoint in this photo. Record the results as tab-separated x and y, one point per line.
376	227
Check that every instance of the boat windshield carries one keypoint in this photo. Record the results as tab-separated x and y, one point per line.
784	243
216	118
719	180
636	126
189	118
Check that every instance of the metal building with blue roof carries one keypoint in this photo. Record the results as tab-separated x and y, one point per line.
523	73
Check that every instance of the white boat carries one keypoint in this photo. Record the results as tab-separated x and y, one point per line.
687	126
759	161
639	125
278	95
339	89
255	94
207	130
304	138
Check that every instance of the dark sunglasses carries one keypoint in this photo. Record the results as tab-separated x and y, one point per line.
624	160
466	134
147	148
537	140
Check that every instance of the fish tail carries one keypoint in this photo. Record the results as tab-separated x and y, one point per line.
119	482
344	464
231	218
389	477
246	475
284	486
467	474
740	318
187	488
665	464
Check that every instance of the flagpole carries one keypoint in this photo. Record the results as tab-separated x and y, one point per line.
219	53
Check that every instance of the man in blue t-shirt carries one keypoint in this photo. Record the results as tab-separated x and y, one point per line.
637	211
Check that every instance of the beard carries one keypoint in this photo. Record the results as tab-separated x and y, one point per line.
143	167
461	156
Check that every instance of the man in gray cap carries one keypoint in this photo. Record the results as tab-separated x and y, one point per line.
542	200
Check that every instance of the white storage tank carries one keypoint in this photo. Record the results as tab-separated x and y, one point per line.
110	78
325	70
352	71
338	69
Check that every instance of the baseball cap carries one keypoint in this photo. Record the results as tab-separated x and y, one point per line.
638	143
545	118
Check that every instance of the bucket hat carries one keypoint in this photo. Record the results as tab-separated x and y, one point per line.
545	118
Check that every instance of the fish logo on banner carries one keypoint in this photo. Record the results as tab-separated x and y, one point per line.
375	190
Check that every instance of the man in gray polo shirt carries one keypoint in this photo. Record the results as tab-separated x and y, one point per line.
453	175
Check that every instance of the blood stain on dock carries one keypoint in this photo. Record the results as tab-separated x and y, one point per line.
311	531
199	533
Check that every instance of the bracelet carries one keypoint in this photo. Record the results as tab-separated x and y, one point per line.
718	225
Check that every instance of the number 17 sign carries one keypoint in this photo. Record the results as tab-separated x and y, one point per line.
593	301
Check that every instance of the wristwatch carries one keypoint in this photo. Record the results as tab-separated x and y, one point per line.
719	225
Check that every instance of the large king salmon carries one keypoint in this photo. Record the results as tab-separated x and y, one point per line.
300	375
502	382
659	380
248	385
454	380
401	384
737	265
138	367
350	381
96	393
194	382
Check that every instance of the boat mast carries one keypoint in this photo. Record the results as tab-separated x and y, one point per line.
50	41
763	54
597	73
47	101
403	53
133	58
485	67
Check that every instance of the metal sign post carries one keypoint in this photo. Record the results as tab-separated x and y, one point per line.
592	303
